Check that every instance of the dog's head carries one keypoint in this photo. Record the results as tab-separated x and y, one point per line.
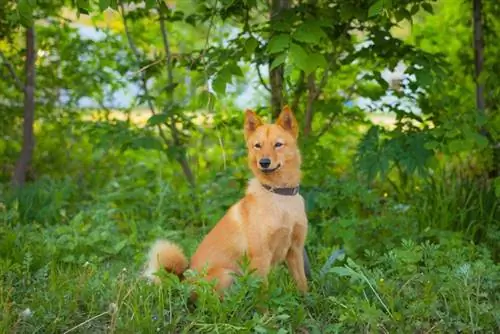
273	154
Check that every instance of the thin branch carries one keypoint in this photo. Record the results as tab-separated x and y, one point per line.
170	93
12	71
166	46
262	80
142	75
324	78
333	116
137	55
207	39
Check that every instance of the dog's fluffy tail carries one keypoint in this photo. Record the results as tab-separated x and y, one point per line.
167	256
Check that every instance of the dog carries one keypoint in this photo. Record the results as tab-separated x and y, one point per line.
268	225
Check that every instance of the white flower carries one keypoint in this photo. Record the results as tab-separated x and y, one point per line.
112	308
27	313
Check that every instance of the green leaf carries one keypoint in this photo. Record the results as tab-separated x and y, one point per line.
431	145
299	58
150	4
376	8
424	78
318	60
310	32
278	61
496	183
480	140
25	12
147	142
234	69
278	43
455	145
83	6
341	271
157	119
250	45
104	4
428	7
221	80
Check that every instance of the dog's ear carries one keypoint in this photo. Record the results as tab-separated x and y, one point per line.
252	122
288	122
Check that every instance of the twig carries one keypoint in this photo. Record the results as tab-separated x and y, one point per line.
170	94
149	65
262	79
324	78
86	322
166	46
333	116
144	83
12	71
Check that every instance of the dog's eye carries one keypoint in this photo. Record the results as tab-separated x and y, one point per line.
257	145
278	144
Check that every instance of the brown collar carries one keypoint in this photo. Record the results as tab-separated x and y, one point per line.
283	191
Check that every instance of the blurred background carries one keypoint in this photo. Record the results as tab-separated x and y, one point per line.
121	122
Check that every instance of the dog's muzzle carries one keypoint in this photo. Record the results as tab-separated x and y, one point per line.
270	170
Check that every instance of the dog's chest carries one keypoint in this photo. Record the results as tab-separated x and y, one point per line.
288	212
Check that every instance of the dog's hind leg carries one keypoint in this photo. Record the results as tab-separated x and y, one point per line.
222	276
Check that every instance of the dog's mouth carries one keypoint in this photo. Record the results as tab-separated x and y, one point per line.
270	170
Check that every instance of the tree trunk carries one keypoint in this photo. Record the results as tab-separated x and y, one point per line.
23	163
479	54
276	74
480	96
181	159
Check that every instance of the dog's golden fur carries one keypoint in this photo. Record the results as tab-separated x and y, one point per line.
267	227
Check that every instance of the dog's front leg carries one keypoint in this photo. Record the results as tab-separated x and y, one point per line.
261	263
295	257
295	262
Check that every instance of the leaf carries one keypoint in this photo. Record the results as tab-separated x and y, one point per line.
104	4
278	43
25	12
376	8
424	77
250	45
299	58
318	60
431	145
221	80
455	145
157	119
83	6
278	61
147	142
150	4
496	183
234	69
480	140
428	7
341	271
310	32
282	317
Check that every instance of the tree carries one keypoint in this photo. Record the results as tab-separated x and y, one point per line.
27	88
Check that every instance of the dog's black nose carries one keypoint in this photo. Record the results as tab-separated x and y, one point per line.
265	162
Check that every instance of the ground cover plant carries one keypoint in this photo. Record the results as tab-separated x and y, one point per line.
137	111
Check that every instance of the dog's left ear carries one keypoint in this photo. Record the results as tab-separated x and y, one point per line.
288	122
252	122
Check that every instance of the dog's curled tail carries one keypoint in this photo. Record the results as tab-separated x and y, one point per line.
165	255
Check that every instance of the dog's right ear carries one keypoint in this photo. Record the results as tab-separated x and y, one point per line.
252	122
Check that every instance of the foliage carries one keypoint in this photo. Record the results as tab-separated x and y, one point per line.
410	202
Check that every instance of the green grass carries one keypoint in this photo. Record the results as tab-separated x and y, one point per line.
83	276
72	246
